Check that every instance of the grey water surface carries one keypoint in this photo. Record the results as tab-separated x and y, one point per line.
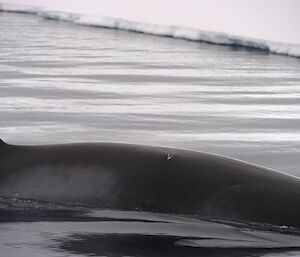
60	83
63	83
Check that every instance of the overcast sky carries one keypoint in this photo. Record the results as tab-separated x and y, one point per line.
277	20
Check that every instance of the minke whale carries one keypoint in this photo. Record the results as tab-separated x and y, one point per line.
146	178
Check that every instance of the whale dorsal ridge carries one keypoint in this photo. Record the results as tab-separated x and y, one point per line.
2	142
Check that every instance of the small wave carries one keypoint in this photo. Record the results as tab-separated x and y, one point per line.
219	38
24	204
188	231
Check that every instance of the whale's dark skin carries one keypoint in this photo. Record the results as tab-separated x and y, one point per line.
133	177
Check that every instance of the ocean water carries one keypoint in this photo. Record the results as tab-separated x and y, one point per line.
61	82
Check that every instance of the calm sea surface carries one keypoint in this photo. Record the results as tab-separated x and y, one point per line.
63	83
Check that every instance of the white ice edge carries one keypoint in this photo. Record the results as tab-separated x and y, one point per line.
159	30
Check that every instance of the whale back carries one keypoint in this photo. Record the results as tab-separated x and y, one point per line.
163	180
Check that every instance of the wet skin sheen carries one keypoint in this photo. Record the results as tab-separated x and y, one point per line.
133	177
